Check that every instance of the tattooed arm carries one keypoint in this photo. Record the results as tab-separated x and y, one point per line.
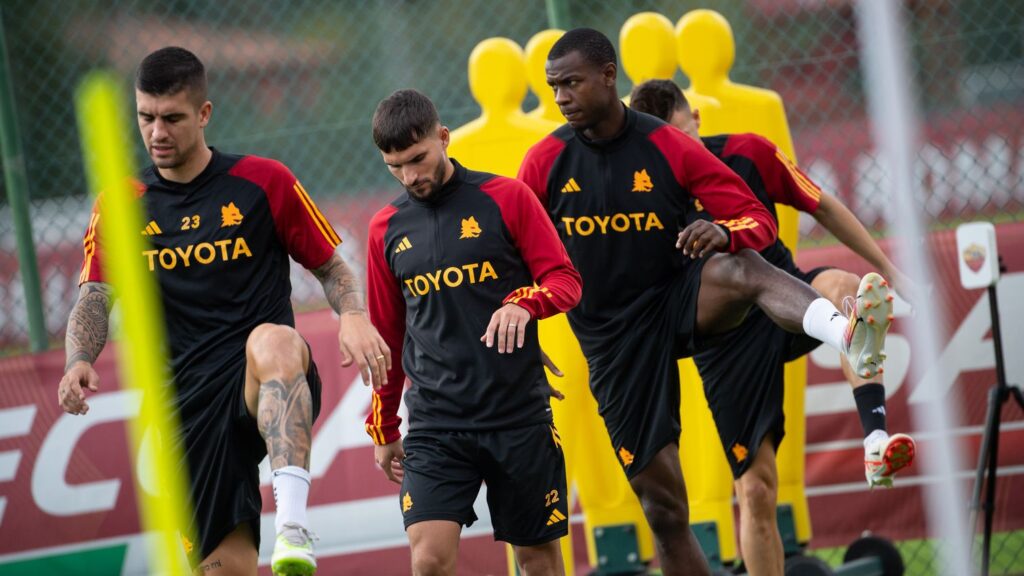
86	336
357	338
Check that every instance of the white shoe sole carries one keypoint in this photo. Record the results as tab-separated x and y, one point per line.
874	313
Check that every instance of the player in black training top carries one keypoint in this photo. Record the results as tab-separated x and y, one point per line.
618	185
460	268
221	229
743	372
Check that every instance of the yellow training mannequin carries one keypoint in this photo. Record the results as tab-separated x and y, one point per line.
537	49
496	142
706	51
647	48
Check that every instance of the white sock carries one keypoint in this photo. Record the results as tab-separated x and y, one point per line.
873	438
826	323
291	491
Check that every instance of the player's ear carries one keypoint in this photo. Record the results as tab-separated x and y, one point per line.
609	72
445	135
696	118
205	112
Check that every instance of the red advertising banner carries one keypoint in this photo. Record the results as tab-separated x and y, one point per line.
67	501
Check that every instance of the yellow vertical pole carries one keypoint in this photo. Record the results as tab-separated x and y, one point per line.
142	351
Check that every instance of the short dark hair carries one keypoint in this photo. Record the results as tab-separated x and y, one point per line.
402	119
658	98
594	46
169	71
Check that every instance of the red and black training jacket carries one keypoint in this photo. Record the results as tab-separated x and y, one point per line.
618	205
437	271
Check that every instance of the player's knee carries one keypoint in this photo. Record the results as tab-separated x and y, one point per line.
757	493
750	264
836	285
665	514
739	272
432	562
275	347
540	560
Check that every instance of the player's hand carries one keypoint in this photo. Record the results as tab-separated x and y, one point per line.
509	325
550	365
360	342
71	390
389	459
701	238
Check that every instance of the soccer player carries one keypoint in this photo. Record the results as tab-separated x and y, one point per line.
460	268
617	185
222	228
743	373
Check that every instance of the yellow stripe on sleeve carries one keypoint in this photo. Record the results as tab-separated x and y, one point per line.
318	213
318	218
808	187
89	247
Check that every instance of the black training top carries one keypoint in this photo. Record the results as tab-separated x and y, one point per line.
219	249
438	270
618	205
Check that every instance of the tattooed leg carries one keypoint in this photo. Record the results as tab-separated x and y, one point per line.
277	394
285	419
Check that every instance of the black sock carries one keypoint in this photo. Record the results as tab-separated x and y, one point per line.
870	399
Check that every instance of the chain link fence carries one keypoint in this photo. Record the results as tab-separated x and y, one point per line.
298	81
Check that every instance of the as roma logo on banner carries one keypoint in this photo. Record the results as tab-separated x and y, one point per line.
974	256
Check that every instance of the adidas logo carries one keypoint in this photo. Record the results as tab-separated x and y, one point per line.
152	229
879	410
570	186
556	517
403	245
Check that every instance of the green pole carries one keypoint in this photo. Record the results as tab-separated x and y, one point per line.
558	14
17	195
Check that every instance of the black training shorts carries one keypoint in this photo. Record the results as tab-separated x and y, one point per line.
524	470
634	374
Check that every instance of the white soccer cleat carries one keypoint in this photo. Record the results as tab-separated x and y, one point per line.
870	316
293	551
886	457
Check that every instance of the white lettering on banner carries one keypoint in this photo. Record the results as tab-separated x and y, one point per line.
338	432
13	422
970	348
50	491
